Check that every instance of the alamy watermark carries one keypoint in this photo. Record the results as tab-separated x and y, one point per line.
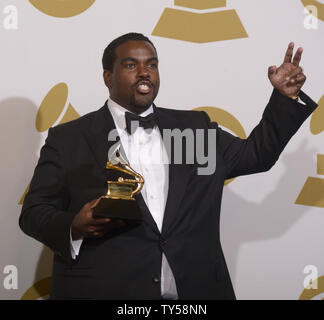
10	17
311	280
10	280
190	147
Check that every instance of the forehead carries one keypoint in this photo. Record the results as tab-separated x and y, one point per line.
135	49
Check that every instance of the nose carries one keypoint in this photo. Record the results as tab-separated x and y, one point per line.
143	72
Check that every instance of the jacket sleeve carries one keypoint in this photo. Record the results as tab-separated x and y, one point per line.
44	216
260	151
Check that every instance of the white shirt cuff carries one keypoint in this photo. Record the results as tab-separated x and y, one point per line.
75	246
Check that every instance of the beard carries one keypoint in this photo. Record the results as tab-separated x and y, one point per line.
141	102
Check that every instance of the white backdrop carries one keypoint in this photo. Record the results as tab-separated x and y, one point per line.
267	238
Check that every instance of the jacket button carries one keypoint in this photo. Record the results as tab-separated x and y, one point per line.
156	280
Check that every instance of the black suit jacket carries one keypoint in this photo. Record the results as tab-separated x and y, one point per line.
127	263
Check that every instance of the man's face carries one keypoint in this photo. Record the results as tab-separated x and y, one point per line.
134	81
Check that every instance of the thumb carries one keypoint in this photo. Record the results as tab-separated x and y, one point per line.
272	70
94	203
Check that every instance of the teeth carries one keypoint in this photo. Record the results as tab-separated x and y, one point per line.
144	87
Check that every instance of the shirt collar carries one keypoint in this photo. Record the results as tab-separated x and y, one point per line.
118	113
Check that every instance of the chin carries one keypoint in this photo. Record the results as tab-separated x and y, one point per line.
143	103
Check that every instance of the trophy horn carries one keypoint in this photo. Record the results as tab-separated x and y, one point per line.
122	166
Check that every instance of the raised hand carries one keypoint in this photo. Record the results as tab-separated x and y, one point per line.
289	77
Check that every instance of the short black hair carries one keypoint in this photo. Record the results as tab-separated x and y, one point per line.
109	55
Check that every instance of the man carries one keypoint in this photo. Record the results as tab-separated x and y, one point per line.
175	252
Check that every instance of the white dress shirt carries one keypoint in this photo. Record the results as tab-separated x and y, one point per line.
147	156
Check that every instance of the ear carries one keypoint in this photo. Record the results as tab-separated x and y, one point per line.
107	75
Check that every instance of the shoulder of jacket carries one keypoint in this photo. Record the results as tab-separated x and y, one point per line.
189	113
192	117
73	126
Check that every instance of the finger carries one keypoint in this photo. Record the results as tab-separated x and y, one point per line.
99	221
114	224
289	52
297	57
94	203
300	79
294	73
297	78
272	70
100	228
91	204
97	230
97	234
89	232
94	231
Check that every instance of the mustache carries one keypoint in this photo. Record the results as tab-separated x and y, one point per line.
144	81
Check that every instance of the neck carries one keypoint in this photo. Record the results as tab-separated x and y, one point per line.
132	108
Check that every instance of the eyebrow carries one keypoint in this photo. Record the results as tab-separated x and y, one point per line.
153	59
132	59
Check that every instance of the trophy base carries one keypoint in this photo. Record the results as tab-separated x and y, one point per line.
199	27
117	209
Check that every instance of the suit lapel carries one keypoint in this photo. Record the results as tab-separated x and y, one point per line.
97	138
178	174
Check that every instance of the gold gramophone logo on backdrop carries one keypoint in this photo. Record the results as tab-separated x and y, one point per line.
200	27
39	290
312	193
308	4
54	109
310	293
62	8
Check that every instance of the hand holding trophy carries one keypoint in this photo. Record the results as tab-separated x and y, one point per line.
110	211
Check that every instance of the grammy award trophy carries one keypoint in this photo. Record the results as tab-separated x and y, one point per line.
119	202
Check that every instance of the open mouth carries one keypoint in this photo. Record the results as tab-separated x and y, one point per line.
144	87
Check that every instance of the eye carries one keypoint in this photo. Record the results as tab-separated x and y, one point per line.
152	65
130	65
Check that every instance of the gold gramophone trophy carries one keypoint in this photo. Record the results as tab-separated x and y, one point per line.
119	202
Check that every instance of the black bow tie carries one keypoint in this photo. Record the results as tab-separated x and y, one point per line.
147	122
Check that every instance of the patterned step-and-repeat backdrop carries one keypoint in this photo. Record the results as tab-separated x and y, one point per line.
214	56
